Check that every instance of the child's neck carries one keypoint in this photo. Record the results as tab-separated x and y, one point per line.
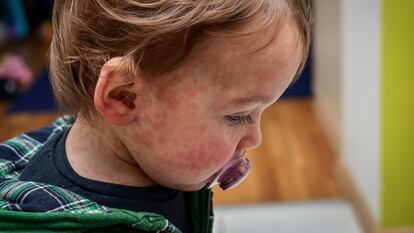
100	155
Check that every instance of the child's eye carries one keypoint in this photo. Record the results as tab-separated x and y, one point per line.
239	120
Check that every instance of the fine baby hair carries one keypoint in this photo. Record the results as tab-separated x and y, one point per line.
154	35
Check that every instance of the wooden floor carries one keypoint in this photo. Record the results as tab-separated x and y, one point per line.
294	162
15	124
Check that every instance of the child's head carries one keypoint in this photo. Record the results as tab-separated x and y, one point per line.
181	83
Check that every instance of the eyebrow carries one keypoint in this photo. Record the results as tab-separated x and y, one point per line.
253	99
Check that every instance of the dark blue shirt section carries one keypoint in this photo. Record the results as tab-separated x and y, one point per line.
51	166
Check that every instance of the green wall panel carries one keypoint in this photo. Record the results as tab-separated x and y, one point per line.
398	114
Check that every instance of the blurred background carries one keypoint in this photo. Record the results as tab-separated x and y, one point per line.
338	148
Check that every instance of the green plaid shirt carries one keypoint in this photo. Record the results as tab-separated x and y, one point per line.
23	208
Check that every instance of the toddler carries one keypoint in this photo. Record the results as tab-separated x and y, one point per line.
163	98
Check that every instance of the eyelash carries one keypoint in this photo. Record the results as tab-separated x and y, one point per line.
239	120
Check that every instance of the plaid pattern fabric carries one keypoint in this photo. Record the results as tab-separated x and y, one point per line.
16	152
29	196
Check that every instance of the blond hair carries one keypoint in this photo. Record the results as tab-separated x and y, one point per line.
154	35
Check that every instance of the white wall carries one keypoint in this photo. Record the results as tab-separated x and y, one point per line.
327	81
361	79
347	87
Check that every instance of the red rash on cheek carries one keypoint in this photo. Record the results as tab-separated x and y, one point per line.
157	122
176	96
203	128
203	88
218	152
190	94
207	155
173	102
162	140
192	109
147	130
147	140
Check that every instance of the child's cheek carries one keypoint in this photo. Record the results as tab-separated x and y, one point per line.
206	154
215	156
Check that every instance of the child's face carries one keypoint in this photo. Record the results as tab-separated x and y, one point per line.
190	127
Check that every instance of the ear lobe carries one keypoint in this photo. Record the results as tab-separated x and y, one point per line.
114	99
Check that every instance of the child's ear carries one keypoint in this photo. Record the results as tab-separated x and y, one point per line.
114	95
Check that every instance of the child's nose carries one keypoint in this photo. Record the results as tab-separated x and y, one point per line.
253	137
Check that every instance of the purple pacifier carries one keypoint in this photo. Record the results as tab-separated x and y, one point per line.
232	174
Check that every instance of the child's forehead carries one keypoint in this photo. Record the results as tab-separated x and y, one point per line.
282	37
234	66
256	52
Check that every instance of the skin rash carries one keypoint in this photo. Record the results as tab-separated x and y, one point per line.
179	130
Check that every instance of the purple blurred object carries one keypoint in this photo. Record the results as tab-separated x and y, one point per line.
232	174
